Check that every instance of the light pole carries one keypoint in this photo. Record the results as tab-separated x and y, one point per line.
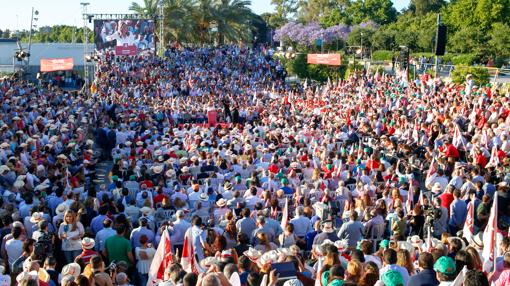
161	26
85	42
32	19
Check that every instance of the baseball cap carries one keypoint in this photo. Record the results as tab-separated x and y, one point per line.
445	265
392	278
384	243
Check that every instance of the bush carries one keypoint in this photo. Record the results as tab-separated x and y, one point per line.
465	59
351	69
480	74
321	73
382	55
297	66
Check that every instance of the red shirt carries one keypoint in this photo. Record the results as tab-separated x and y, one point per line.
446	200
452	152
159	198
481	160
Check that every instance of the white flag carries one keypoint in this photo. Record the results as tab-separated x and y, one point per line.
467	231
285	214
489	238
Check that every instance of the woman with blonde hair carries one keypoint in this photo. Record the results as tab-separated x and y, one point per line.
71	232
404	260
354	272
264	243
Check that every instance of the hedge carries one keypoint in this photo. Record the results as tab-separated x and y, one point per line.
383	55
480	74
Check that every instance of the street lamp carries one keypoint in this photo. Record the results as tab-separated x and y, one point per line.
32	26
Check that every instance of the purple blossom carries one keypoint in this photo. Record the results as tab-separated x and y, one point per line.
369	25
307	35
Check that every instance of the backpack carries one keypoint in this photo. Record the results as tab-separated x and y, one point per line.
43	247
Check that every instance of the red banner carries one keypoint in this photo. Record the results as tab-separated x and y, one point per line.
324	59
126	50
49	65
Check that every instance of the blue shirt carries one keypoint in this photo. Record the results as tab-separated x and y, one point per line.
302	225
101	237
458	212
138	232
97	223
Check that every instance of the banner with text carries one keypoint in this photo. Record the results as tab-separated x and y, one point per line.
50	65
324	59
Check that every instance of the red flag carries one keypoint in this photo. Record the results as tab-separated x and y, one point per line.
162	259
458	140
410	200
188	253
489	238
285	214
468	230
429	240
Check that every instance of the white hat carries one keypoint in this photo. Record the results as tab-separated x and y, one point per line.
185	169
5	145
36	217
170	173
252	253
88	243
146	210
4	168
203	197
61	209
157	169
221	202
208	262
19	184
436	187
73	269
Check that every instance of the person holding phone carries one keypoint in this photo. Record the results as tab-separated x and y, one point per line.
70	232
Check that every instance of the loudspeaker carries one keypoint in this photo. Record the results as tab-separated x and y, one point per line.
440	40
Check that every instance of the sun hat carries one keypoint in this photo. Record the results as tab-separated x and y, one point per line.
73	269
203	197
445	265
61	209
88	243
221	202
36	217
392	278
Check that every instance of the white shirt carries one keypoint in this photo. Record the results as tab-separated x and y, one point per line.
14	249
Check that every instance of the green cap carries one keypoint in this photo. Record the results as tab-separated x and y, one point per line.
132	178
343	150
384	243
392	278
115	178
285	181
445	265
329	166
366	150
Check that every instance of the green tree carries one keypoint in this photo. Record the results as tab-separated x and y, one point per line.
314	10
422	7
360	37
379	11
233	19
150	8
465	40
285	9
500	40
273	20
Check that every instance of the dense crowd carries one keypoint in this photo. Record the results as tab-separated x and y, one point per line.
373	180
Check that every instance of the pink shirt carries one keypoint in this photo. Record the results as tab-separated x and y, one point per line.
503	279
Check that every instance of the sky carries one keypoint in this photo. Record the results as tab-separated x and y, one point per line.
15	14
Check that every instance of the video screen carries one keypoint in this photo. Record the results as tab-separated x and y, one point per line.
126	37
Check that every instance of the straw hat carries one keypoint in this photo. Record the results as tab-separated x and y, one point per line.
203	197
73	269
146	210
221	202
88	243
61	209
36	217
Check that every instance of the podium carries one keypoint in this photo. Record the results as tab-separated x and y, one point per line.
212	117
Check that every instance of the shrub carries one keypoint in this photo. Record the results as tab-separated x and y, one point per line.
322	72
465	59
480	74
382	55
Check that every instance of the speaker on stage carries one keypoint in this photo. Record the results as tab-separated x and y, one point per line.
440	40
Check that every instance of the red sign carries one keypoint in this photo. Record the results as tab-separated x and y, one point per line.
126	50
324	59
49	65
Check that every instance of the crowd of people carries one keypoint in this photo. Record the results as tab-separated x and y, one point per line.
222	173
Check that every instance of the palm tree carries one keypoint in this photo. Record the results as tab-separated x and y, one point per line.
233	19
149	8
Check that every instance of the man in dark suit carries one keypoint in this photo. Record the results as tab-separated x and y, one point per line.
427	275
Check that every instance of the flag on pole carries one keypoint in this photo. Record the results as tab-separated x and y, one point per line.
285	214
468	229
338	171
459	280
457	137
489	238
432	169
410	200
429	240
188	253
494	160
161	261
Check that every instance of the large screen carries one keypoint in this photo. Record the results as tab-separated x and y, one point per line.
126	37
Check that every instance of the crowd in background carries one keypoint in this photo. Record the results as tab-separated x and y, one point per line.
364	181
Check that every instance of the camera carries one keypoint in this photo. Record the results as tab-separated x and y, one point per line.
112	267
